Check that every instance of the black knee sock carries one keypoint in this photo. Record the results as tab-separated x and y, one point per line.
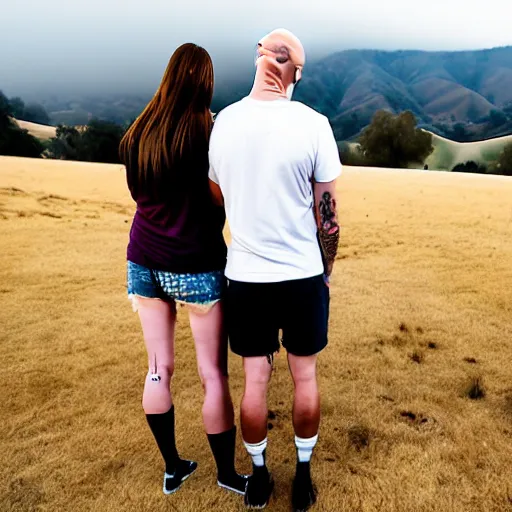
223	449
162	427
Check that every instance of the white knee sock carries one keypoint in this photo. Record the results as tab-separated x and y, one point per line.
305	447
256	451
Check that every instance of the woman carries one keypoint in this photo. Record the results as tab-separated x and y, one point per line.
177	254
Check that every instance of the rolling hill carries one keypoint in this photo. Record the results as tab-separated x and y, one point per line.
448	153
441	88
40	131
464	96
449	92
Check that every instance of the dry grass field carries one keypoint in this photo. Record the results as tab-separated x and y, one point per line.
40	131
421	313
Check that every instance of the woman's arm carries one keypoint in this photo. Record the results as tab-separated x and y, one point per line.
216	193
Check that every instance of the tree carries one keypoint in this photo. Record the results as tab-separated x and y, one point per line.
5	113
100	142
18	142
395	141
13	140
67	144
17	107
471	167
505	161
5	118
36	113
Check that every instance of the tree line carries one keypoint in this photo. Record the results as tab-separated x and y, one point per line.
32	112
389	141
98	141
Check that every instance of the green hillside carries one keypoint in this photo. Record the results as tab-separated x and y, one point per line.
448	153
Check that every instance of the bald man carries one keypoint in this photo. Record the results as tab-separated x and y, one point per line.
273	164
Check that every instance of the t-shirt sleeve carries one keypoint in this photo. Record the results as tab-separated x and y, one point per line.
327	162
213	175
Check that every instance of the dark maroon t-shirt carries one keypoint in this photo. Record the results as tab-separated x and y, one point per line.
178	229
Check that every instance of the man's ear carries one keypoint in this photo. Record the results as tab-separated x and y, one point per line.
298	75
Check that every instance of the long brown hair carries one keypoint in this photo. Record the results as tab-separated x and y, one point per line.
176	123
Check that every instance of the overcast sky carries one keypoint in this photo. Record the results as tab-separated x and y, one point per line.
126	44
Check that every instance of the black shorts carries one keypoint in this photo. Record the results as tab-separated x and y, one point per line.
255	312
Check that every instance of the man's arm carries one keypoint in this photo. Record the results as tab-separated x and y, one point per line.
216	193
327	169
327	222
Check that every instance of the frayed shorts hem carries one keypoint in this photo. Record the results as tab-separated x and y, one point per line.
196	307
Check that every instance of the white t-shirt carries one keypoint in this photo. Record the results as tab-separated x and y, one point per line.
263	155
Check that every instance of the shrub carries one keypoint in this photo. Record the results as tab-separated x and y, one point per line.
504	165
471	167
351	155
395	141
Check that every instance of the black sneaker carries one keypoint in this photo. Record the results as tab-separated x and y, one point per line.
259	488
173	482
303	492
235	483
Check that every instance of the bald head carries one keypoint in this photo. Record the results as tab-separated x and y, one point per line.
284	42
279	62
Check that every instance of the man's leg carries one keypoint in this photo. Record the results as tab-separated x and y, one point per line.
254	335
254	417
254	412
306	420
306	401
304	337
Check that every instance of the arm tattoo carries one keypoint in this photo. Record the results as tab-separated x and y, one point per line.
329	232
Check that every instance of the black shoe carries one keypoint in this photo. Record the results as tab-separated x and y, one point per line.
259	488
234	483
303	492
172	482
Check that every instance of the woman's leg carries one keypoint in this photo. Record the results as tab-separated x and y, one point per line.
158	320
218	416
212	360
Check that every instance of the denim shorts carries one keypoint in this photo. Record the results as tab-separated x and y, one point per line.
200	290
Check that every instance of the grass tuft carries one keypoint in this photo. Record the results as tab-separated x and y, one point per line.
359	437
403	327
417	356
475	389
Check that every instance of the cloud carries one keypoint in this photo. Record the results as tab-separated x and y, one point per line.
127	43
